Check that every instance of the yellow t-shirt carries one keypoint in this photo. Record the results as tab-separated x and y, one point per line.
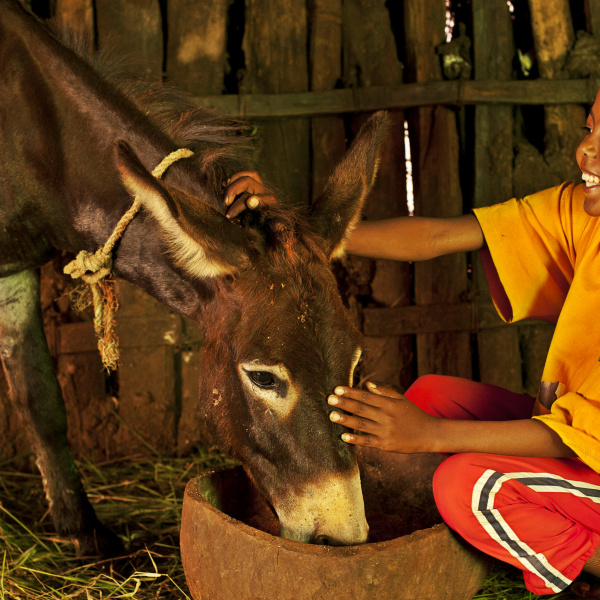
543	261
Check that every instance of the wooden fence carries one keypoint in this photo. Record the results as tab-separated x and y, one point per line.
307	72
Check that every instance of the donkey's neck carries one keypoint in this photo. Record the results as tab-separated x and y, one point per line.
62	174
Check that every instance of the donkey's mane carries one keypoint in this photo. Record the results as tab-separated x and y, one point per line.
221	143
222	146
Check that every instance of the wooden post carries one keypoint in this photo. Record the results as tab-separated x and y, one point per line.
196	62
328	134
592	13
137	29
275	47
371	59
77	15
197	45
554	36
498	349
147	406
437	188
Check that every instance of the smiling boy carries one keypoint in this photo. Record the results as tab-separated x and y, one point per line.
522	483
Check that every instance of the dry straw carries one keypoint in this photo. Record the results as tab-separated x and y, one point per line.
140	499
94	267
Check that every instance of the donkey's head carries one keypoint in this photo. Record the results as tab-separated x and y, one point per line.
278	338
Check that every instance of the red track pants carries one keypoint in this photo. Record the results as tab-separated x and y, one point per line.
541	515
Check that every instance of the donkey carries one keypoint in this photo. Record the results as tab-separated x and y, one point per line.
74	149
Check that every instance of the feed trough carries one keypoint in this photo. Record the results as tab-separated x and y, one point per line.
230	549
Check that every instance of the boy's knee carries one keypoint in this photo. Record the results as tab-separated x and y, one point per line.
430	394
426	384
453	484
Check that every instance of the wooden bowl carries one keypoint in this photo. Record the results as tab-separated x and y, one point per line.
230	549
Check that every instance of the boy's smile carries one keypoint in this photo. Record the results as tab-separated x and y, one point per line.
588	159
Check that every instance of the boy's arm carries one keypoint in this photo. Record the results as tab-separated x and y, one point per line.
402	238
415	238
387	420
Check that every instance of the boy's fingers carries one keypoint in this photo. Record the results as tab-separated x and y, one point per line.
383	391
241	204
359	440
252	174
356	407
352	422
241	185
349	394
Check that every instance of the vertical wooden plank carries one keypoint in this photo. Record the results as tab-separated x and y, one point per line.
371	59
197	45
553	36
499	354
192	431
196	62
147	406
135	26
147	401
592	14
191	428
328	135
91	426
77	15
437	188
275	47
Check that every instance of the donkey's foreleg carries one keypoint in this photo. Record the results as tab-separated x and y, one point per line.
35	392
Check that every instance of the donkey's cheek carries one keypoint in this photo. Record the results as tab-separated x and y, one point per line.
280	406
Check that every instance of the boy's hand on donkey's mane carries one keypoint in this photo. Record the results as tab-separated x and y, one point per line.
246	190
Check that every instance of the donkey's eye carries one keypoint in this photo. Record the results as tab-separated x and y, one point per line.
262	379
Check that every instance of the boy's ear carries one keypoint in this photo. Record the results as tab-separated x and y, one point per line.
336	211
202	241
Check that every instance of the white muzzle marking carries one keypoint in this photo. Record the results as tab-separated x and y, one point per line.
333	508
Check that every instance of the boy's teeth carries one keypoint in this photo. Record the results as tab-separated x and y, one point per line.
590	178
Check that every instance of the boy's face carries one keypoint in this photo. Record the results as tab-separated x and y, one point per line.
588	159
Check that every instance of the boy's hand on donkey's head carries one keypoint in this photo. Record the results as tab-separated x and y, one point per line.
246	190
382	418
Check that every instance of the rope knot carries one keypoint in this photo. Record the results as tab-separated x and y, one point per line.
99	265
93	267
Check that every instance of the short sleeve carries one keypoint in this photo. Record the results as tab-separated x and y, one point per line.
577	421
530	253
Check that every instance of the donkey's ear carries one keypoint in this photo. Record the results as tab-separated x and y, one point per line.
201	240
336	211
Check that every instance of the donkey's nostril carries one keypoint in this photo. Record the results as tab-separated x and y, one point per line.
322	540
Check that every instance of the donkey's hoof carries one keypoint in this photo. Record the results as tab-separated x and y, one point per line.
100	542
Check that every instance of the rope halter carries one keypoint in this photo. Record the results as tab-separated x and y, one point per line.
94	267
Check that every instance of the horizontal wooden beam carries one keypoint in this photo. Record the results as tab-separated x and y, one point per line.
403	320
409	95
